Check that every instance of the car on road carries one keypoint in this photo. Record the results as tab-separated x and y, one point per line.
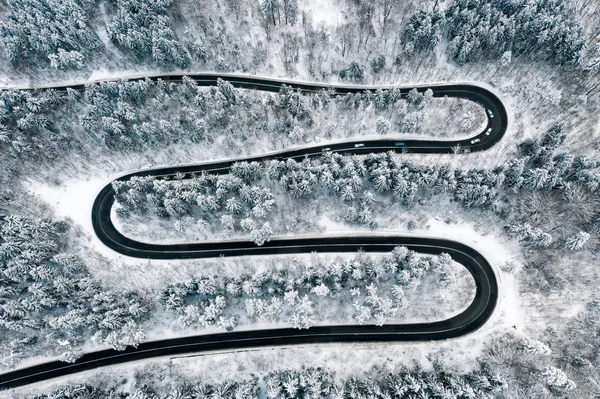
358	145
490	113
487	132
475	141
400	144
326	149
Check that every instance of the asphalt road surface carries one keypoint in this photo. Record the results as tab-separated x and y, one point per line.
468	321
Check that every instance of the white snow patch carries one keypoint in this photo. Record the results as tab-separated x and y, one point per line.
326	12
73	200
104	74
508	311
573	310
495	251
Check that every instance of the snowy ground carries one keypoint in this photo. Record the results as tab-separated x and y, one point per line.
70	190
73	196
73	200
508	311
154	274
325	12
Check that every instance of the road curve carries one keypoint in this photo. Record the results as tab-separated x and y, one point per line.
469	91
468	321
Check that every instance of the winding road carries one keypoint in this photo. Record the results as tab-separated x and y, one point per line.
466	322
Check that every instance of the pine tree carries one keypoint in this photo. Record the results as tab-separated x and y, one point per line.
290	11
513	173
382	126
269	7
577	241
261	234
303	316
297	133
557	380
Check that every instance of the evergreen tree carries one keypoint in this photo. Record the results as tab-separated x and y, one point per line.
269	7
48	30
66	59
577	241
144	29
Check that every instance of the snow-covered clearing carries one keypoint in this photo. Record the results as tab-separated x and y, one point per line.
508	311
73	200
324	12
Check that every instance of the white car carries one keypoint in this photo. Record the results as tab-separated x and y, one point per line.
487	133
358	145
326	149
475	141
490	113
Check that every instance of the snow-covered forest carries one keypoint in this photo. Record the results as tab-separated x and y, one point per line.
380	291
51	304
122	116
530	204
76	34
311	382
541	191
